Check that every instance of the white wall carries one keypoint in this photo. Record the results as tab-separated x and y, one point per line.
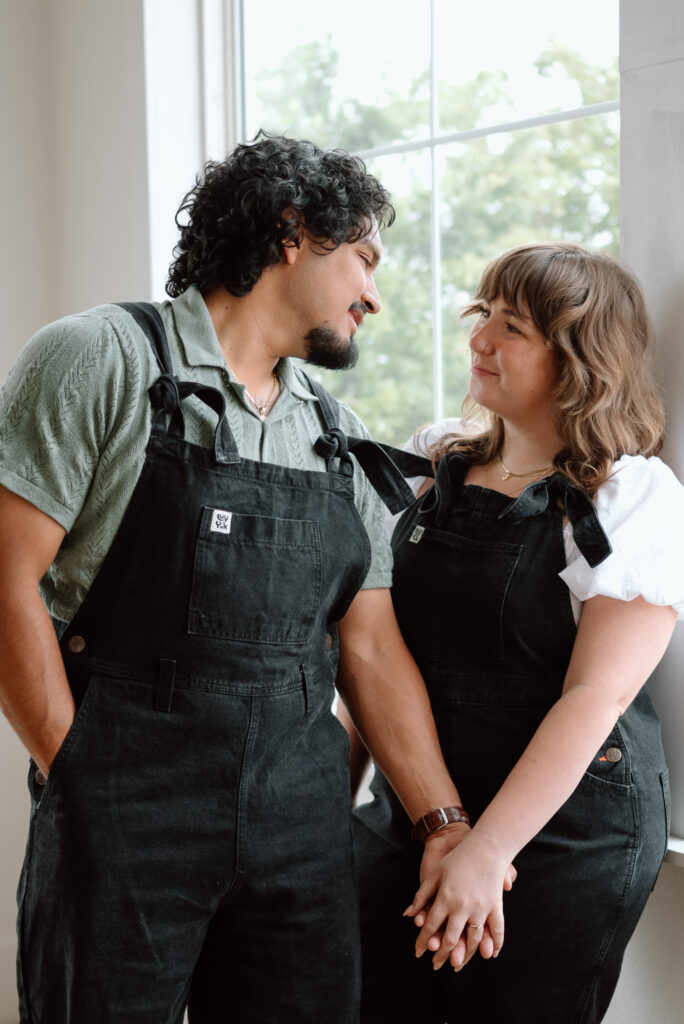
651	988
28	287
28	294
100	152
75	233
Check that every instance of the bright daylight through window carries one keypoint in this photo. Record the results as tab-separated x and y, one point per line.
492	124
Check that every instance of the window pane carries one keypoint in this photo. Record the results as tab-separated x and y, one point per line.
354	76
391	386
559	182
499	62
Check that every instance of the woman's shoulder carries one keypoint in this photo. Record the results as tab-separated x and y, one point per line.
432	433
641	509
638	484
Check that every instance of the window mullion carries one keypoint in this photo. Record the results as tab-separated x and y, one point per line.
233	37
435	233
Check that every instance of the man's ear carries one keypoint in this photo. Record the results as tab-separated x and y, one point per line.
290	248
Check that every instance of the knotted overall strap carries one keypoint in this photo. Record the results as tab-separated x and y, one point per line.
554	491
451	471
168	392
380	463
578	506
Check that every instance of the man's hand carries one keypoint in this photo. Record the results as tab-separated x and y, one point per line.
459	951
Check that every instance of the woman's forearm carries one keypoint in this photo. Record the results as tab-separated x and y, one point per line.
548	771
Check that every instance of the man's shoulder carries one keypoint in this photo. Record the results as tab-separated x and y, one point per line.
106	334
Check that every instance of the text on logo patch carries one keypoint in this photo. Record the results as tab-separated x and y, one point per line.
220	521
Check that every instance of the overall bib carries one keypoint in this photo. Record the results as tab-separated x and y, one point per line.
192	844
490	623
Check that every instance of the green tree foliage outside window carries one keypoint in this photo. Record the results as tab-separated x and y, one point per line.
557	181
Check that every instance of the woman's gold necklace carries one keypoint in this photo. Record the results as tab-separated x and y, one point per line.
508	472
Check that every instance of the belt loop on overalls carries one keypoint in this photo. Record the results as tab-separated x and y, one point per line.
309	698
166	677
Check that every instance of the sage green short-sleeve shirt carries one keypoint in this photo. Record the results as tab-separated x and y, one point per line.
75	418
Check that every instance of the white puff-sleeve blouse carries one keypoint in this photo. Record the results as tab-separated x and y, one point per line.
641	509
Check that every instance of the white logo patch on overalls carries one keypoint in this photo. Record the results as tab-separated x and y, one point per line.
220	521
417	534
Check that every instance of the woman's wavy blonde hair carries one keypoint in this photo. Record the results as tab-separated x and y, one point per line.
592	312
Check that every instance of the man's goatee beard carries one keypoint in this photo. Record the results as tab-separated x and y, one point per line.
328	349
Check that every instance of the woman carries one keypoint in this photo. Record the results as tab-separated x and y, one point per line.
537	584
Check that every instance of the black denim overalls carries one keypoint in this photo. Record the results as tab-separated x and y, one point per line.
193	840
489	621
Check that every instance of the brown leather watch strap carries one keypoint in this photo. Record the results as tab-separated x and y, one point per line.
433	821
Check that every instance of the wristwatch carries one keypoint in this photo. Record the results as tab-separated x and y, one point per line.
433	821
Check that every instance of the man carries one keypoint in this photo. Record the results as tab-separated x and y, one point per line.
175	557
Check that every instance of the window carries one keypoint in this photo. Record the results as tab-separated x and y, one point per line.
491	124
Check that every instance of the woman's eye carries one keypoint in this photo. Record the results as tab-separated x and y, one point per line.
512	329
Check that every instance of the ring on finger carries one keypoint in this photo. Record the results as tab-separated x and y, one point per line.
479	927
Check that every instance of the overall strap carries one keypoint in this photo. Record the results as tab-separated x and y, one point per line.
587	531
328	407
382	464
449	480
553	491
148	319
168	392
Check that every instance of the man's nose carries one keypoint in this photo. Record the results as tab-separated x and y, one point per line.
371	298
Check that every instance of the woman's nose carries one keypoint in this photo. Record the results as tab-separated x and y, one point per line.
479	339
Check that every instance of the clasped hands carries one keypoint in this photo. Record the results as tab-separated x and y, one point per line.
459	905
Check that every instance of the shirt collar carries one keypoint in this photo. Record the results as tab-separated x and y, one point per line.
201	346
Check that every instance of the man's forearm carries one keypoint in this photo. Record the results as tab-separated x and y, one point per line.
34	691
386	697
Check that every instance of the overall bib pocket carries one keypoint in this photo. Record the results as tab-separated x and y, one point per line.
255	578
472	579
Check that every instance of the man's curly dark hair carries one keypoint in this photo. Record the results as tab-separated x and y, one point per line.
244	208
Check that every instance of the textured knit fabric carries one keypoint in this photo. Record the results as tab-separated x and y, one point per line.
75	420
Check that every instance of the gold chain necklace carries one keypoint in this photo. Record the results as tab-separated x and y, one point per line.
262	408
508	472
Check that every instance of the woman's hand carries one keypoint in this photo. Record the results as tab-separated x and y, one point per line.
462	883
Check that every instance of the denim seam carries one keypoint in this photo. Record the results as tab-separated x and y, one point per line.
610	932
241	813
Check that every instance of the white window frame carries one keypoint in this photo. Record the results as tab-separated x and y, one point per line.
235	118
